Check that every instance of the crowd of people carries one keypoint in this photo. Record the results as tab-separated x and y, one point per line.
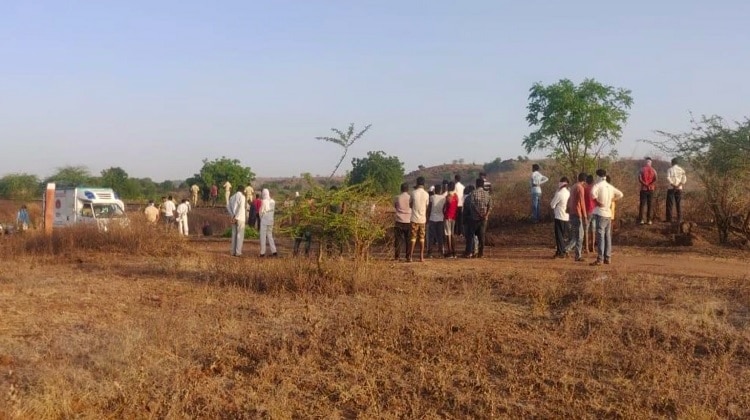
428	221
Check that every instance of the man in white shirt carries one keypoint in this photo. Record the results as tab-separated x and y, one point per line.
604	194
237	208
169	209
194	190
537	179
182	216
559	205
459	189
677	179
419	200
436	225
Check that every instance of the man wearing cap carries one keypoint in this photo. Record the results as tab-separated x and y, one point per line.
418	204
677	179
647	179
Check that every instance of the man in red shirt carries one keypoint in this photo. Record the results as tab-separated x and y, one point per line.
578	215
257	203
590	232
213	194
450	212
647	179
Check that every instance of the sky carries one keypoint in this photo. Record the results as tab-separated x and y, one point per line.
155	87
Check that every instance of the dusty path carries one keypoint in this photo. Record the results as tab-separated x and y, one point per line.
681	262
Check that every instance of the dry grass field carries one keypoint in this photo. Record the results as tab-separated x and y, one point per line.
142	324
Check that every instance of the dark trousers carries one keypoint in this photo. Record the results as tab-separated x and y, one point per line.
674	197
459	226
435	235
476	228
561	228
401	234
646	197
305	237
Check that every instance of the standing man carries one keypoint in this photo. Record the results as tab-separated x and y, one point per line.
22	218
590	228
487	184
402	227
169	209
213	194
450	210
182	216
194	190
647	179
436	223
418	203
249	194
537	179
237	209
459	188
559	205
677	179
151	212
604	194
578	216
227	191
480	212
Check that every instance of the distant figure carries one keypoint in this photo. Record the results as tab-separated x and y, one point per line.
677	179
207	229
227	191
267	209
194	190
162	207
249	193
647	179
450	211
487	184
182	216
537	179
257	203
169	209
604	194
151	212
578	216
559	205
402	227
460	194
213	194
418	203
302	231
470	241
237	209
480	205
22	218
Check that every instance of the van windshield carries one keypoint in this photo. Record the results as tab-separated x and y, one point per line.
107	211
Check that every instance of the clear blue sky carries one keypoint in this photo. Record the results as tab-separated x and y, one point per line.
156	86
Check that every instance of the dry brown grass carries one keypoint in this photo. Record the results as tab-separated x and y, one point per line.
205	335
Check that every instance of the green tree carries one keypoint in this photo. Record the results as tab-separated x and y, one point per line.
719	156
220	170
20	186
576	122
345	140
385	172
117	179
71	176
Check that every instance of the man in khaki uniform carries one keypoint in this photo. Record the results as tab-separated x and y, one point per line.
194	191
151	212
227	191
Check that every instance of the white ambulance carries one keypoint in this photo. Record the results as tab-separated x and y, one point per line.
88	205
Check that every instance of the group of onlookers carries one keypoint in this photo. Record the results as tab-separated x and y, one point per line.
438	216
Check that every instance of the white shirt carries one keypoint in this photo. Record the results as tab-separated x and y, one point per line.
676	177
419	200
537	179
604	193
559	204
237	206
438	202
460	193
169	208
182	211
